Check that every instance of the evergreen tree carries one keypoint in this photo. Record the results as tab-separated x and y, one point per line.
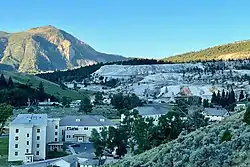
3	83
10	83
218	98
85	105
214	98
246	117
223	98
41	93
241	95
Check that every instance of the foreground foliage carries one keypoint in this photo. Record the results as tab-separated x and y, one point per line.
200	148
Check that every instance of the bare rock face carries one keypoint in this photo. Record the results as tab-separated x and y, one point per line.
48	48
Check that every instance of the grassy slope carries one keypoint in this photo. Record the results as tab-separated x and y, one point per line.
50	87
200	148
237	50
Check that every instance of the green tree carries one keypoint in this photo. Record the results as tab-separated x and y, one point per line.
85	105
214	98
65	101
99	141
3	83
241	95
226	136
6	112
10	83
195	120
98	98
41	92
246	117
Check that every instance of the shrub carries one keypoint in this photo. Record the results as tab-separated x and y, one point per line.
246	117
226	136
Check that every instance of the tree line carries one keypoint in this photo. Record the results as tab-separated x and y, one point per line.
140	134
17	94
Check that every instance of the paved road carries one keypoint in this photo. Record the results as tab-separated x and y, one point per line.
84	147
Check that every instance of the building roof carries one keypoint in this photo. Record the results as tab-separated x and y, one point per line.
86	120
152	109
215	111
30	119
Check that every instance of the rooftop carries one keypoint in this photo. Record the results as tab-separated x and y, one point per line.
86	120
153	109
215	111
33	119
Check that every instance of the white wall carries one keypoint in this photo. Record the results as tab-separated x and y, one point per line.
41	142
51	129
22	142
79	131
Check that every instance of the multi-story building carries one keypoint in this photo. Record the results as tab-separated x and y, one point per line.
31	133
79	128
27	138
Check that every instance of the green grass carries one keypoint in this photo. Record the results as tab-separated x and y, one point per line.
56	154
49	87
4	143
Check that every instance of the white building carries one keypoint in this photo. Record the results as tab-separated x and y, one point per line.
27	138
240	107
215	114
79	128
154	111
31	133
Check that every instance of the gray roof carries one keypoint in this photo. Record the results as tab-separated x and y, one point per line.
86	120
32	119
215	111
152	109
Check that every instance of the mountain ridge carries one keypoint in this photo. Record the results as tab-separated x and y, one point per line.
48	48
235	50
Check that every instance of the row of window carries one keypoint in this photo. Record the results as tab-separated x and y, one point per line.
37	145
27	151
37	138
38	130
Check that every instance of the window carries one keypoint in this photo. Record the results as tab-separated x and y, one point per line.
38	130
17	130
55	133
68	136
38	137
16	138
37	145
27	150
16	153
28	143
56	127
37	153
16	145
55	139
86	128
28	135
100	128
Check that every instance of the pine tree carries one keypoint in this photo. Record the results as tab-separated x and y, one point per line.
10	83
3	83
241	95
214	98
41	92
218	99
223	98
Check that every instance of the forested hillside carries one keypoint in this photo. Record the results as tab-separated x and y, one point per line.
237	50
219	145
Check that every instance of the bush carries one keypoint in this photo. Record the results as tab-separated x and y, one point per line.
226	136
246	117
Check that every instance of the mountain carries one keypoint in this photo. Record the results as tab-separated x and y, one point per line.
236	50
47	49
201	148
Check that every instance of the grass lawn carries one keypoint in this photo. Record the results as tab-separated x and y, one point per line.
49	87
56	154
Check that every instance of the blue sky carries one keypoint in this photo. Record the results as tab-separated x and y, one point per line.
135	28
